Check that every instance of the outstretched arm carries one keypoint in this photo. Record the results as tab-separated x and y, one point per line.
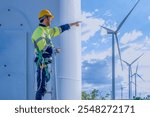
57	30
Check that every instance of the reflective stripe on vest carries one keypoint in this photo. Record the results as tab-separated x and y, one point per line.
45	47
39	39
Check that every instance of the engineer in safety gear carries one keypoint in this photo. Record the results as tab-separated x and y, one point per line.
42	40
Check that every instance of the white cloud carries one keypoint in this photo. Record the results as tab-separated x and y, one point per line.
90	25
146	43
84	48
96	10
96	55
86	14
104	40
108	13
95	44
111	24
131	36
103	32
89	87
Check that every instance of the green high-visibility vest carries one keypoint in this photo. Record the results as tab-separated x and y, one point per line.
42	36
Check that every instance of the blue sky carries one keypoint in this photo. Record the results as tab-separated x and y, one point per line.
134	39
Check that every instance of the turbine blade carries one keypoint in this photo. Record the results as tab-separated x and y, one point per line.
140	77
127	16
137	58
126	62
108	30
119	51
136	68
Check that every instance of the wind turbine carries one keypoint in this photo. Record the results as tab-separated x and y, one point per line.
130	73
114	36
136	75
122	91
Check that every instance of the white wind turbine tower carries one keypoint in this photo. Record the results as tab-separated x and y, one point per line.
136	75
129	74
114	36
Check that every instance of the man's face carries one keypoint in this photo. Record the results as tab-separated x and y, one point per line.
48	21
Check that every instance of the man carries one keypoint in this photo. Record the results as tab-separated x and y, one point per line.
44	48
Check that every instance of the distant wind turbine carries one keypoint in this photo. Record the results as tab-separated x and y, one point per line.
122	91
136	75
114	36
129	74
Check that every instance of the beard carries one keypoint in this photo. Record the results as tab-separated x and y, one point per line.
48	23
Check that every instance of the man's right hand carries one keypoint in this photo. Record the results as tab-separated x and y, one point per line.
75	23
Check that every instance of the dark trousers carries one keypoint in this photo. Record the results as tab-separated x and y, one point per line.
42	77
41	83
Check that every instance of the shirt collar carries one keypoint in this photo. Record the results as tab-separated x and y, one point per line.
43	25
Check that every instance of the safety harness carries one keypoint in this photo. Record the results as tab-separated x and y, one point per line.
42	62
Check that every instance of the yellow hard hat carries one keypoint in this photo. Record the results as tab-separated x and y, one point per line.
45	12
